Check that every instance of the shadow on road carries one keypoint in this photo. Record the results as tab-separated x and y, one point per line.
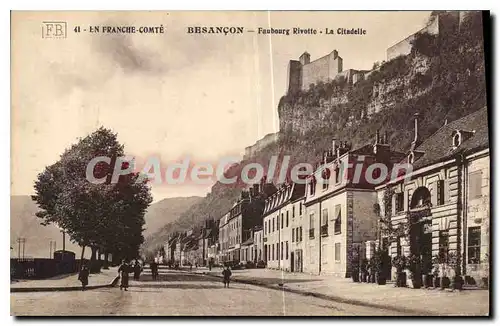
183	286
172	277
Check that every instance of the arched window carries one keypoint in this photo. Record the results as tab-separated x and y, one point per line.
411	158
456	140
312	186
325	175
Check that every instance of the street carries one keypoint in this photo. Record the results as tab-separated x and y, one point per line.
181	294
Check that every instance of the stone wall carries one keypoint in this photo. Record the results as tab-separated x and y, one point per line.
322	69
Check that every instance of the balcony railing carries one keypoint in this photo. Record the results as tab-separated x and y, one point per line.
324	230
311	233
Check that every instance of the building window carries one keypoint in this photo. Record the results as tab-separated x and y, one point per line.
293	235
474	245
400	202
311	225
312	186
293	211
273	252
456	140
337	252
443	245
337	174
325	176
281	250
286	218
475	179
286	251
277	251
273	224
282	221
440	192
300	208
301	233
324	253
324	222
338	219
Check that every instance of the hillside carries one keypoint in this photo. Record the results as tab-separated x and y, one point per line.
212	205
443	79
166	211
24	224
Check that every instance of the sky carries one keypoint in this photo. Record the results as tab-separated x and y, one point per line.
169	95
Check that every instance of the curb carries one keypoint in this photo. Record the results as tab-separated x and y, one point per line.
66	288
329	297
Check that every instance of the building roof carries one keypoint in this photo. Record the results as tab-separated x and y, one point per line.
439	146
249	241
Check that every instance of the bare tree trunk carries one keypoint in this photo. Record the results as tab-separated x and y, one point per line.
94	265
83	252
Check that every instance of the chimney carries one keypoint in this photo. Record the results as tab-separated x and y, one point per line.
415	139
385	138
377	137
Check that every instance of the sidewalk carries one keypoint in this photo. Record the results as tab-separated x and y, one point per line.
67	282
472	302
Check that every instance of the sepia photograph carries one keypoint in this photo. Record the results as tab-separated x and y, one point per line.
250	163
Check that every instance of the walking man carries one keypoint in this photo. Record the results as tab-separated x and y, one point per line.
137	270
226	273
154	270
83	276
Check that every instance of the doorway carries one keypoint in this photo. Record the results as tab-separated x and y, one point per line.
292	262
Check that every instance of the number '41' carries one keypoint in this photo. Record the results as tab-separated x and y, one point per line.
77	29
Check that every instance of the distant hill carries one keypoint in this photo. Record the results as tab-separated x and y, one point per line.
24	224
165	211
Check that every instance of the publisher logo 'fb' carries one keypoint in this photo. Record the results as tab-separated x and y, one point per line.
54	30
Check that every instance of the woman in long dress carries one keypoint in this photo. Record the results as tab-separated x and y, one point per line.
124	270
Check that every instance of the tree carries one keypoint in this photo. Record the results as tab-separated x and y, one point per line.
107	215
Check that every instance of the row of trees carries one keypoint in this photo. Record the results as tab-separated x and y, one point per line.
106	217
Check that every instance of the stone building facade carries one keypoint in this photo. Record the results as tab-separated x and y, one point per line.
339	205
237	226
281	216
445	198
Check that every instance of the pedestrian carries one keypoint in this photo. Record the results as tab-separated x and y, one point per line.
83	276
226	273
137	270
154	270
124	270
